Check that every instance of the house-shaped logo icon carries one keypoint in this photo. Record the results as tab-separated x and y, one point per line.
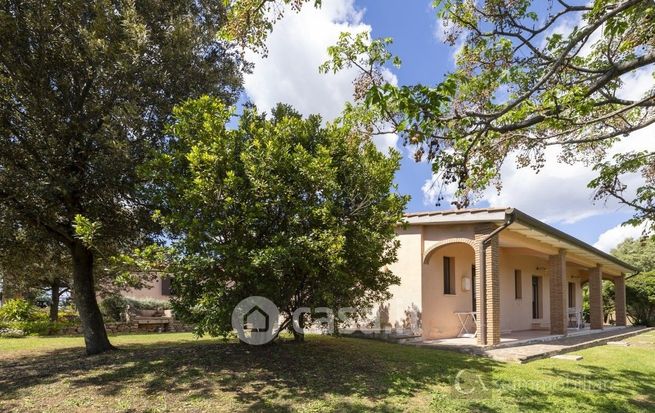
257	320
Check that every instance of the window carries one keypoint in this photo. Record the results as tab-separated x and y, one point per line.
448	275
518	288
571	295
165	286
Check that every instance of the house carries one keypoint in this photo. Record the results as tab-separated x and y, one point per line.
159	288
494	271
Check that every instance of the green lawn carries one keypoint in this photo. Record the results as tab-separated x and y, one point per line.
175	372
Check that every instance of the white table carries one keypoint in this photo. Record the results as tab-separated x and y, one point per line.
464	317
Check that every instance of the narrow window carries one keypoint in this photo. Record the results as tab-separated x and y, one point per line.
448	275
165	286
518	289
571	295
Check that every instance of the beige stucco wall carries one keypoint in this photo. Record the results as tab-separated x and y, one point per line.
516	314
439	318
152	290
407	295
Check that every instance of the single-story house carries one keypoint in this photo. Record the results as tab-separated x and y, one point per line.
157	288
492	271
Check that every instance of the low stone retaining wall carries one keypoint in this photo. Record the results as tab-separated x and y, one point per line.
133	327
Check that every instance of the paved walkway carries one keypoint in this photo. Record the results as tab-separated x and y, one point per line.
534	351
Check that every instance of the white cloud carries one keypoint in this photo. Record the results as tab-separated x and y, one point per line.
433	188
636	84
296	48
609	239
559	193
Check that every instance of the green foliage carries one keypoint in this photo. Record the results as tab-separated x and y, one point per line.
284	208
250	21
520	87
638	252
86	230
608	296
640	296
21	315
20	310
113	307
86	88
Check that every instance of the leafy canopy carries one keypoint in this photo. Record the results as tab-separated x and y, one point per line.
85	90
640	288
520	87
280	207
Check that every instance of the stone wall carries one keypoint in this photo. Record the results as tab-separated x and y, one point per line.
133	327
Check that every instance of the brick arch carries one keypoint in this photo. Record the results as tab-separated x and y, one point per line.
426	255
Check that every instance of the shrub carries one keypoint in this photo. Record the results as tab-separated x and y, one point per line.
640	297
147	303
38	327
20	309
113	307
69	315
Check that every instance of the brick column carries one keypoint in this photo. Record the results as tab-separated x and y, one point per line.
559	292
479	305
491	276
596	297
619	300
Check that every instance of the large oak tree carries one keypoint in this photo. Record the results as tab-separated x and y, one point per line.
85	89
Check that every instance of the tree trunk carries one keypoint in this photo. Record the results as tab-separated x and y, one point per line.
299	336
54	293
95	335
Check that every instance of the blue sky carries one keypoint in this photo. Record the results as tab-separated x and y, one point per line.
297	46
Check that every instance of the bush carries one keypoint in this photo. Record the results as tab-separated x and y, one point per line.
20	309
640	297
147	303
69	315
38	327
113	307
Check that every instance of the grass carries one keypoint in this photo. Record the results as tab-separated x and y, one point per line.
176	372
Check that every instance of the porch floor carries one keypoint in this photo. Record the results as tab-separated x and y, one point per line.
523	346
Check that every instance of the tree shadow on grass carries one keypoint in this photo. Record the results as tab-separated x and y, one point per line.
594	387
352	372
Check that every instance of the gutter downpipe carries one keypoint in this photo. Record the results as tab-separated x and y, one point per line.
509	219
